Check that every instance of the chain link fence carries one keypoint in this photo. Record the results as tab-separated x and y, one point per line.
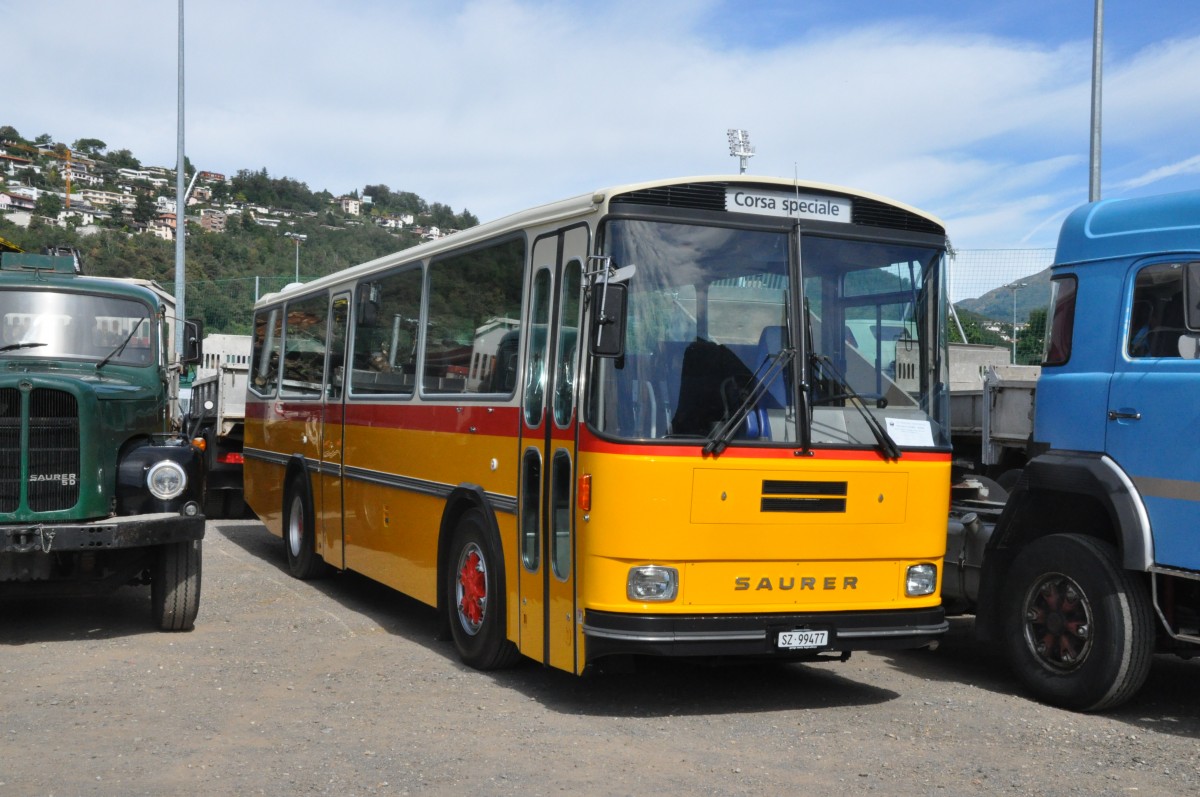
993	291
227	305
1001	298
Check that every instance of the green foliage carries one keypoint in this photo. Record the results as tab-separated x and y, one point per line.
48	205
122	159
975	327
285	193
92	147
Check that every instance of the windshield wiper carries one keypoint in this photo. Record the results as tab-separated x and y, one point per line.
886	444
15	346
119	349
774	365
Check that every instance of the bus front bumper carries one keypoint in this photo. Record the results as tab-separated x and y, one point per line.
612	634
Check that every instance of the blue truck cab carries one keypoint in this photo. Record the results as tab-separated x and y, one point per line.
1092	563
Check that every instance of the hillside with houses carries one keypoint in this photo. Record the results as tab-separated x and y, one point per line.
248	233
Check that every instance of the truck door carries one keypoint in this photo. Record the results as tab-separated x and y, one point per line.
545	513
1153	429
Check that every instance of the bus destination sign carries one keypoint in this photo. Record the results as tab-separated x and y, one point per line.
787	205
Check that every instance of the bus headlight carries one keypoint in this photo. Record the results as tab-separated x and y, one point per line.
652	583
922	580
166	480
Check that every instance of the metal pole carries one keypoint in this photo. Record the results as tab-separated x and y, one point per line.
180	211
1014	326
1097	81
297	240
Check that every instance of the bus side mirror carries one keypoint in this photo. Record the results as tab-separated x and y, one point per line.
193	332
608	320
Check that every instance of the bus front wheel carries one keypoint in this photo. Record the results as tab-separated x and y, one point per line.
475	595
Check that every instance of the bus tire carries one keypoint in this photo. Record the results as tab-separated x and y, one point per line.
299	537
175	586
1079	630
475	595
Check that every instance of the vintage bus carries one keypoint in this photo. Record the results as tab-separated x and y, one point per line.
632	422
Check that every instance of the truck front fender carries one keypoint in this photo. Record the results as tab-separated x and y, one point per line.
1064	491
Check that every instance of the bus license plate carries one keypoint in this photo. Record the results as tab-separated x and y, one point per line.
802	640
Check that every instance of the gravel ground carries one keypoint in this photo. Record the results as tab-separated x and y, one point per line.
339	687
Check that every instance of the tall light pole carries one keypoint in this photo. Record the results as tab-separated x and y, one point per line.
180	210
739	147
297	237
1097	81
1014	287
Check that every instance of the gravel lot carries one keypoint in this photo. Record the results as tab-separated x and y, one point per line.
339	687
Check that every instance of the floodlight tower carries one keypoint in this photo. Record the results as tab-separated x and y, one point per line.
739	147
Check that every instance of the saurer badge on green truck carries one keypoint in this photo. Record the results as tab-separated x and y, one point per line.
98	486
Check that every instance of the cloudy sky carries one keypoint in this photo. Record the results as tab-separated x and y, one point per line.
976	111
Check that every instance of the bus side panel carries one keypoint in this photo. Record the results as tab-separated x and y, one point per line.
398	480
263	482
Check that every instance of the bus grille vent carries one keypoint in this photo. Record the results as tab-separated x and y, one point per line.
803	496
871	213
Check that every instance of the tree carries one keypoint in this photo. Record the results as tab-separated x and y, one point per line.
9	133
92	147
144	209
123	159
44	140
1031	340
48	205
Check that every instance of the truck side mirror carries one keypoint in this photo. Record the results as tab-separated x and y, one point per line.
193	333
608	320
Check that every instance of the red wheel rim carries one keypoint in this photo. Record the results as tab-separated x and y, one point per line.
471	588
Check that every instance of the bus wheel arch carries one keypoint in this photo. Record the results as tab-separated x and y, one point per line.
299	528
471	586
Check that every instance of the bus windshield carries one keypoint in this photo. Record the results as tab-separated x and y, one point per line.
75	326
710	310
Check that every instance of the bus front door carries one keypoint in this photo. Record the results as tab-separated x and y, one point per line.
545	516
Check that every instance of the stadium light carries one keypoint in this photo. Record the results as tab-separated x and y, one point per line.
739	147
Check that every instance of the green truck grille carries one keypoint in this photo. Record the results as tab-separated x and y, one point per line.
39	470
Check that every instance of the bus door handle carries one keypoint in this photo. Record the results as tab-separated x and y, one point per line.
1132	415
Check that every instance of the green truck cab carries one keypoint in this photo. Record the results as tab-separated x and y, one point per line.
99	486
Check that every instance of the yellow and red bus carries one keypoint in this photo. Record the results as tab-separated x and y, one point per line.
691	417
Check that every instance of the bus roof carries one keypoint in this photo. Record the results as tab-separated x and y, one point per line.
572	208
1115	228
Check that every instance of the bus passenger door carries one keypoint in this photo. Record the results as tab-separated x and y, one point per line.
545	513
330	520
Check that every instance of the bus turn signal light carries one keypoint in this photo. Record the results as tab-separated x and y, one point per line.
583	493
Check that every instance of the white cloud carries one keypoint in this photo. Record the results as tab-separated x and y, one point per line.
495	106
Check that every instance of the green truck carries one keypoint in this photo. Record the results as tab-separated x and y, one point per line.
99	486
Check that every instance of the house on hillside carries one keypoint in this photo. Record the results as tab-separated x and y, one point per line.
350	206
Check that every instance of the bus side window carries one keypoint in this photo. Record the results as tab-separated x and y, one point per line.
268	333
385	336
304	346
474	302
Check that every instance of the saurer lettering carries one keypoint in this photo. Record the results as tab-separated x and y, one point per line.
785	583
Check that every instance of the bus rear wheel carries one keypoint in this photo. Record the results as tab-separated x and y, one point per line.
1079	628
475	595
299	537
